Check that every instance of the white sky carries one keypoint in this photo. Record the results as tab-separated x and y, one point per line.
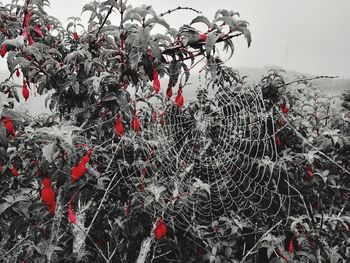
311	36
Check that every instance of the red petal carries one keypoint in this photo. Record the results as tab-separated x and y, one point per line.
3	50
169	92
162	117
75	36
71	215
48	27
25	91
135	123
85	159
284	109
27	15
203	37
291	246
14	171
119	130
38	30
156	82
48	196
179	98
278	141
160	230
78	171
51	208
154	116
309	171
9	127
30	40
46	182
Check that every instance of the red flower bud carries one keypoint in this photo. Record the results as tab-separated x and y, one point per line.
154	117
9	127
135	123
3	50
156	82
291	246
309	171
14	171
71	215
179	98
160	230
18	73
30	40
25	91
285	109
75	36
78	171
119	130
203	37
38	30
169	92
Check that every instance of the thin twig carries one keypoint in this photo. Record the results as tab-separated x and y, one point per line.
301	197
104	21
307	79
14	247
257	243
93	242
179	8
105	194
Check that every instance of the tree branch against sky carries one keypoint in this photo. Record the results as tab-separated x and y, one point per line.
312	34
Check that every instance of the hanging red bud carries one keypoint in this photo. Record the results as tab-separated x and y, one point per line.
285	109
281	121
161	116
3	50
71	215
75	36
25	91
9	127
48	196
30	40
135	123
85	159
26	20
38	30
169	92
18	73
156	82
154	117
309	171
119	130
203	37
126	210
278	140
291	246
14	171
78	171
160	230
179	98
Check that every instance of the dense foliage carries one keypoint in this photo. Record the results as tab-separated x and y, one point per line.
65	190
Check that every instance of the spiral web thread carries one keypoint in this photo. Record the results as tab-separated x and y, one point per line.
211	162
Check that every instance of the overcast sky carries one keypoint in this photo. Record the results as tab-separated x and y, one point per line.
311	36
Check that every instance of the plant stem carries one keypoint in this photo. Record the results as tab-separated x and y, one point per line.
257	243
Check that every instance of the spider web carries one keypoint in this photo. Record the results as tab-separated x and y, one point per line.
213	160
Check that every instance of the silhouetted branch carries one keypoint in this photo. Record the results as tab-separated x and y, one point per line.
179	8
